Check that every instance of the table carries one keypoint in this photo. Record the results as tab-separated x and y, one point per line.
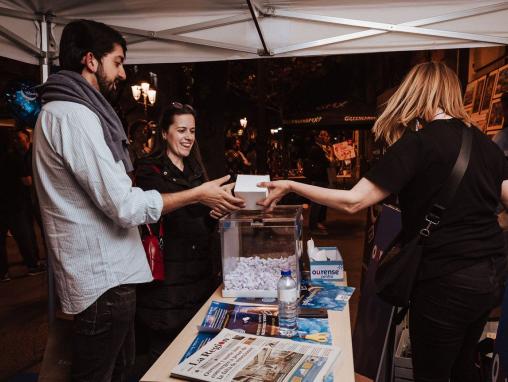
340	327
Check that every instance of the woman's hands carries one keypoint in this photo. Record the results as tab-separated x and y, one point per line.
217	195
276	190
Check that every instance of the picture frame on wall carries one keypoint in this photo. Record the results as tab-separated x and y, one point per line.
502	81
496	118
477	100
469	94
487	93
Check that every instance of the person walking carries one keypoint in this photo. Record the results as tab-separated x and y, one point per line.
16	208
315	169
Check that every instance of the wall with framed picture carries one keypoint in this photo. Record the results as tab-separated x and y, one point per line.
502	81
496	117
482	100
469	95
488	91
477	99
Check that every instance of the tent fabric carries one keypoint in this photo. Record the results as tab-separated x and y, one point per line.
286	25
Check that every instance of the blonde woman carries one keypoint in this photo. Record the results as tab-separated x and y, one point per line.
463	267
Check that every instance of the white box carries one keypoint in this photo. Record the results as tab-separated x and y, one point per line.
246	188
330	269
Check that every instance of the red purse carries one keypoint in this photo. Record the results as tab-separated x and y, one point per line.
154	246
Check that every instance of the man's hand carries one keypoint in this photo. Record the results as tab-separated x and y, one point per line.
218	197
276	190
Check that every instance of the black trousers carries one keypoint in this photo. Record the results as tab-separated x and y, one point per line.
317	211
21	225
447	318
104	342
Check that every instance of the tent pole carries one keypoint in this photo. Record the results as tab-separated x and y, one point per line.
265	51
44	43
44	64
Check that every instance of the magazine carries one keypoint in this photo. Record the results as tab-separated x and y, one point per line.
314	294
201	340
238	357
261	320
324	294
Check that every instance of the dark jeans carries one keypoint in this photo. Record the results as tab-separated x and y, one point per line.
104	343
317	211
21	225
447	317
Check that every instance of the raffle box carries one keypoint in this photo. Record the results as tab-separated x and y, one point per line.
256	246
247	189
332	269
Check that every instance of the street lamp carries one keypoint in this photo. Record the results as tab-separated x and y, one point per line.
143	90
243	125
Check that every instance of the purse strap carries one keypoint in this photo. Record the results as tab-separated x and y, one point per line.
445	197
161	228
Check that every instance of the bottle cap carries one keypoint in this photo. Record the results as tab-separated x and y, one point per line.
285	272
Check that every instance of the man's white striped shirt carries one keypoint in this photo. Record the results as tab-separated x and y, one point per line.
89	207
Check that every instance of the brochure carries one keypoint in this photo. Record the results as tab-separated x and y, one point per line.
324	294
201	340
315	294
233	356
261	320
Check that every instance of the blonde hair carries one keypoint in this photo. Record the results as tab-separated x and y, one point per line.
427	87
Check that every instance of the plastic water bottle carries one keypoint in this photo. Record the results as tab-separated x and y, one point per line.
288	304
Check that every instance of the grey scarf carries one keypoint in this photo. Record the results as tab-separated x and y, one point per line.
72	87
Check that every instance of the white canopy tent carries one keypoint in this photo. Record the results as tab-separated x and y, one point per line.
207	30
210	30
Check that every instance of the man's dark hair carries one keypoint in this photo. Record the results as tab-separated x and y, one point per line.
83	36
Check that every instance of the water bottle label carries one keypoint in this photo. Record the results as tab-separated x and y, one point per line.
288	295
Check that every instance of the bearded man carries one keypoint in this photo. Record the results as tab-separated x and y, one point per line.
89	207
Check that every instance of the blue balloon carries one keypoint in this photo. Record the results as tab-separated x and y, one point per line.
23	101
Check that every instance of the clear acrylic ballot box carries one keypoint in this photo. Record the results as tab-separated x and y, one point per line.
256	246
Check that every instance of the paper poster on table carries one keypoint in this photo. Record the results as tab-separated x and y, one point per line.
314	294
318	294
262	320
371	333
233	356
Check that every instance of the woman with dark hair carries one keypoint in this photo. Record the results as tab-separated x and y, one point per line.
191	268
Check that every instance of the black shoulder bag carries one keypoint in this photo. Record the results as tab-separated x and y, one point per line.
398	270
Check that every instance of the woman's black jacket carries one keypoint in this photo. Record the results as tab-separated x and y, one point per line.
190	249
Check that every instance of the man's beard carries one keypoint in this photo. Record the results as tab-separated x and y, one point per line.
109	89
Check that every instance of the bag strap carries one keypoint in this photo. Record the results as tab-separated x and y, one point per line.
445	197
161	228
